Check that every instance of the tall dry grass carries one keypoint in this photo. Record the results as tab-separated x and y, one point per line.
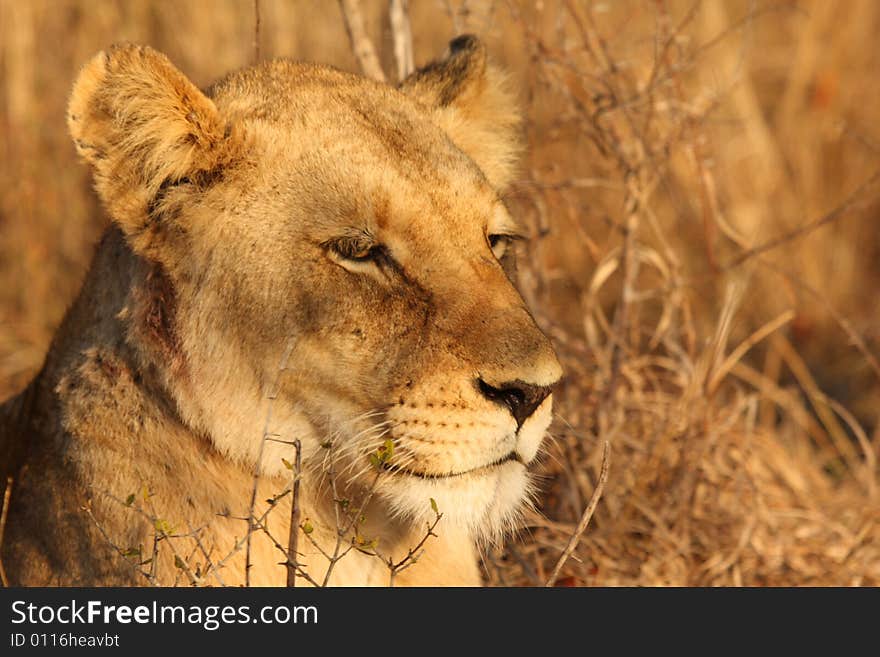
715	330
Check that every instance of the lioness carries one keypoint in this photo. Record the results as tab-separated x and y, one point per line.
300	259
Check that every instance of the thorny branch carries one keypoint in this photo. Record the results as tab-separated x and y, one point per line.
293	532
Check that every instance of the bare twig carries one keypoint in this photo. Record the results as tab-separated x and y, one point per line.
719	373
258	467
7	494
298	569
401	31
293	532
150	575
585	518
855	200
256	31
360	42
865	194
621	312
209	564
342	530
412	554
256	523
470	17
163	533
846	326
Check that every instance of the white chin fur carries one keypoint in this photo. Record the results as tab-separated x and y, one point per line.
484	505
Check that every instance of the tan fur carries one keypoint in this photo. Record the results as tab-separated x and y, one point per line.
231	298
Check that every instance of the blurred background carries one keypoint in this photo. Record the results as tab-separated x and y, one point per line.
700	187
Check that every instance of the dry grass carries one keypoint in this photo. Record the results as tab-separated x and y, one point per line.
738	385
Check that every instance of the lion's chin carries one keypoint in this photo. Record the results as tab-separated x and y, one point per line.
484	503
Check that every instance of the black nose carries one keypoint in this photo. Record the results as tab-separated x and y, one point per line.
519	397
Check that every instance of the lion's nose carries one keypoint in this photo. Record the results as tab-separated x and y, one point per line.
521	398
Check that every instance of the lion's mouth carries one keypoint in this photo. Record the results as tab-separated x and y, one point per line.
512	456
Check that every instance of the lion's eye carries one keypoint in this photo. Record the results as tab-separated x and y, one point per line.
355	249
500	244
358	254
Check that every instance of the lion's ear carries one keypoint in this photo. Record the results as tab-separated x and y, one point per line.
474	105
143	126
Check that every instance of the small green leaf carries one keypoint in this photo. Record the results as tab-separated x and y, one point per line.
287	464
178	562
130	499
365	545
382	455
163	526
132	552
307	527
434	505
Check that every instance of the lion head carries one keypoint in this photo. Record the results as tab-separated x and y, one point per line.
329	260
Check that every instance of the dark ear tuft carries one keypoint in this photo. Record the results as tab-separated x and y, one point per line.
442	81
463	43
471	100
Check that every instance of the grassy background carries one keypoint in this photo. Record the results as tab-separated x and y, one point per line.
668	143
